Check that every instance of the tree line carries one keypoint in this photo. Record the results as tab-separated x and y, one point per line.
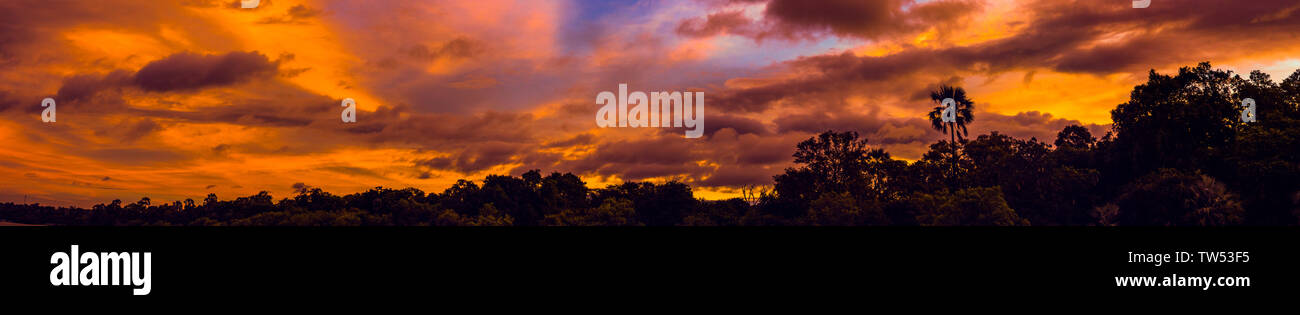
1178	154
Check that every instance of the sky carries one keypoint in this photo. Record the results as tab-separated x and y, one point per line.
177	99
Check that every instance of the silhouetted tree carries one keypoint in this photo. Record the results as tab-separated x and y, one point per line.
839	209
656	205
833	163
965	112
1075	137
1172	198
1176	121
971	206
611	212
730	212
1033	181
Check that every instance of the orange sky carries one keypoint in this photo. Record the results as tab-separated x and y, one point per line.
178	99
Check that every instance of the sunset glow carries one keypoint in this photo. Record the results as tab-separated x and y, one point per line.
177	99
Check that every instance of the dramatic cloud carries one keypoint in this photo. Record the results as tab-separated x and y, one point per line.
461	47
177	99
868	19
733	22
297	14
190	71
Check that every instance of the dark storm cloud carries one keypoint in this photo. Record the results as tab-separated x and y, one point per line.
715	122
181	72
7	102
187	70
84	86
301	187
740	124
353	171
756	99
187	73
474	159
298	14
794	19
129	131
92	93
844	17
733	22
460	47
581	139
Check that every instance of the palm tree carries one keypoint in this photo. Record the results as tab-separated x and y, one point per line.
965	107
957	128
